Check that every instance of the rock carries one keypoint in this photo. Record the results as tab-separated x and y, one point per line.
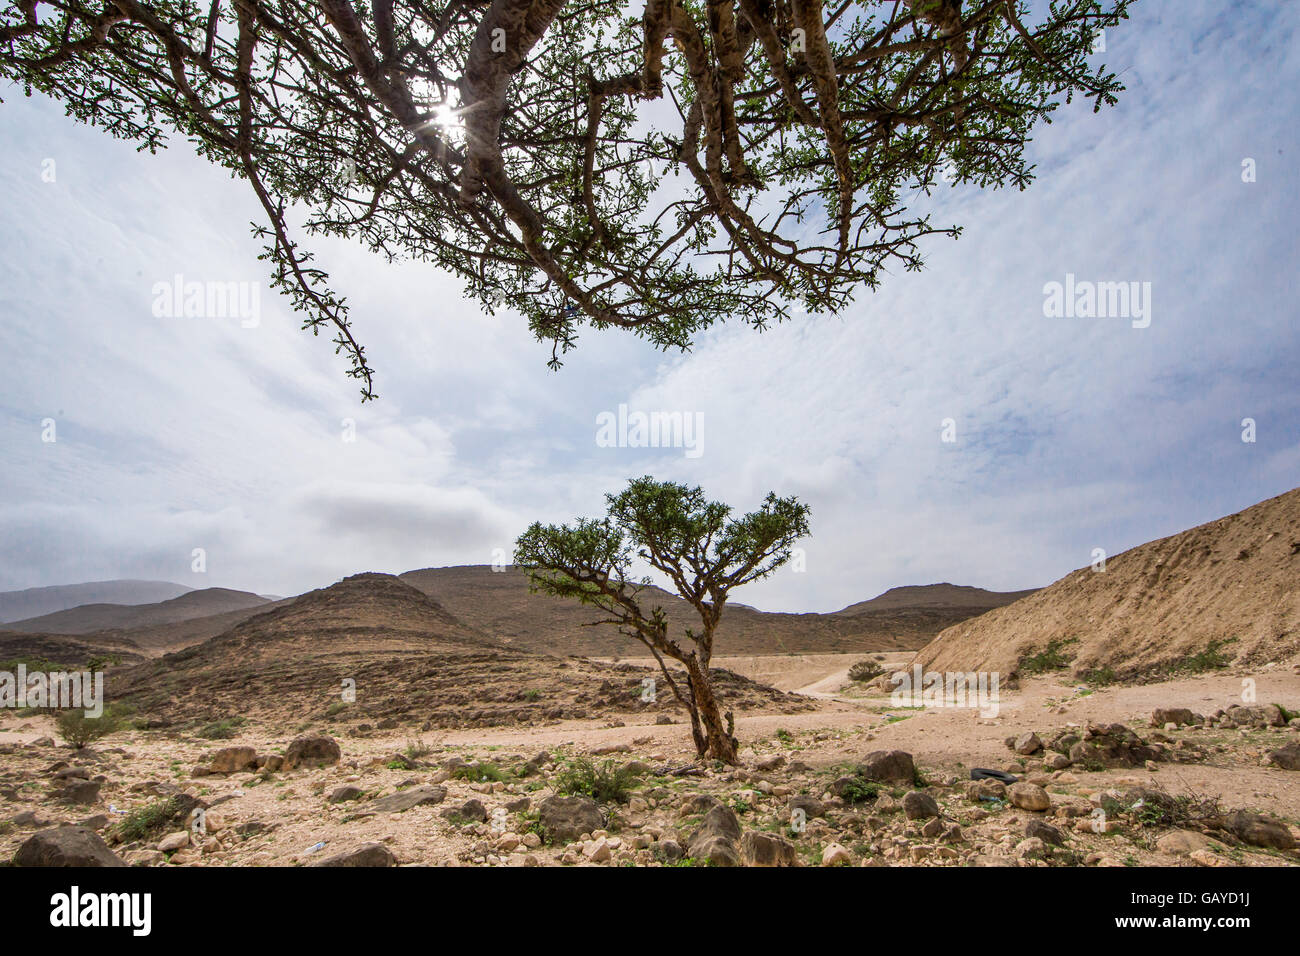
1029	796
66	846
1057	761
1044	831
1113	745
811	806
1255	715
716	838
698	804
1288	757
767	849
345	793
473	810
81	792
567	818
1027	744
836	855
598	851
1259	830
368	854
774	762
318	750
889	766
1182	842
174	841
986	790
404	800
1030	848
919	806
1172	715
991	859
232	760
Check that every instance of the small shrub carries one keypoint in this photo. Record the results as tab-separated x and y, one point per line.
481	772
864	671
1050	658
608	782
78	729
860	790
1206	660
151	820
221	729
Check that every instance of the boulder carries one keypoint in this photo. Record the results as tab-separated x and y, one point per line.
1288	757
1173	715
1027	744
232	760
1029	796
1259	830
889	766
1182	842
66	846
566	818
716	839
345	793
80	792
919	806
1042	830
316	750
404	800
767	849
368	854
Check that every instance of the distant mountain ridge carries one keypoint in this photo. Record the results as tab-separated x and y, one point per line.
88	618
34	602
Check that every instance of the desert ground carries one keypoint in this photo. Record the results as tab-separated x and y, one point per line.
847	778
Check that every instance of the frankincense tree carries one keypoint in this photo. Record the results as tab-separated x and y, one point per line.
655	168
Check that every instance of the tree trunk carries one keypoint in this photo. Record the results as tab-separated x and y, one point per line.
718	743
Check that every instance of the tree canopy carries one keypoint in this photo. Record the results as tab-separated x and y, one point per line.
701	548
581	161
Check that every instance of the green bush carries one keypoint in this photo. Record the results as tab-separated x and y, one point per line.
78	729
607	783
1050	658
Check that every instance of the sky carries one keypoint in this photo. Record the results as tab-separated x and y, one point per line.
243	437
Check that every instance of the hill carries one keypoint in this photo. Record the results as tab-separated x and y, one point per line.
1226	591
33	602
498	602
101	617
411	661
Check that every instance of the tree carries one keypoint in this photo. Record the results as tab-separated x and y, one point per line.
568	161
702	550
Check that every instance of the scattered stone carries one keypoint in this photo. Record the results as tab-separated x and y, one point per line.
1259	830
715	840
66	846
404	800
836	855
889	766
317	750
174	841
1182	842
368	854
767	849
345	793
1029	796
1288	757
232	760
1027	744
1044	831
567	818
1173	715
920	806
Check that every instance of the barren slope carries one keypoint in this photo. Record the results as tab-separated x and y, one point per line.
1230	587
498	603
100	617
19	605
411	661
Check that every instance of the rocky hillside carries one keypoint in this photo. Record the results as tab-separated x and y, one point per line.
88	618
20	605
410	661
1224	592
498	602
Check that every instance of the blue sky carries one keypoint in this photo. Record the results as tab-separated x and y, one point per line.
1071	433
